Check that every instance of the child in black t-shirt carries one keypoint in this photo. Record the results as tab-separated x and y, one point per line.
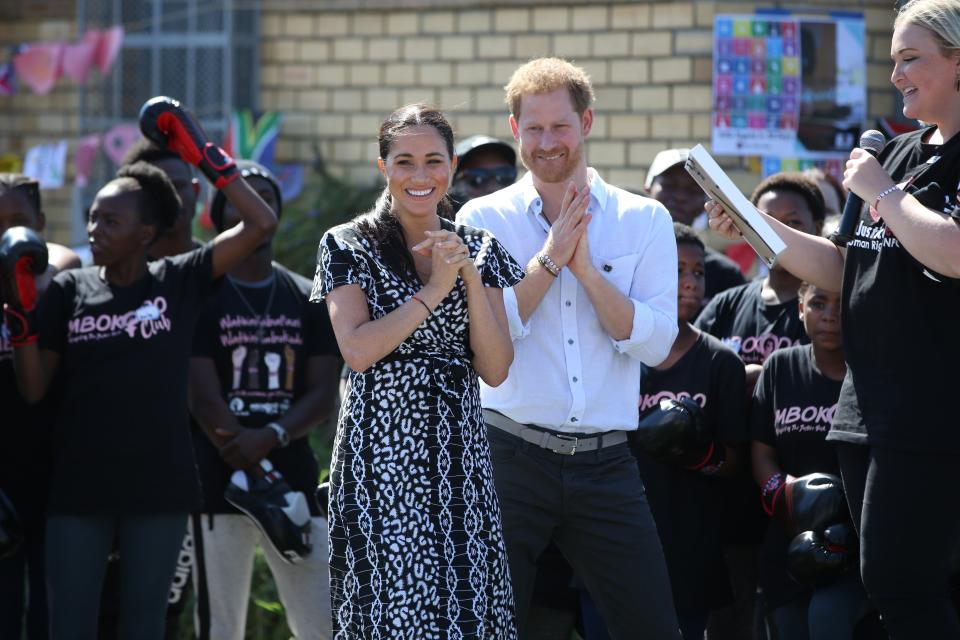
755	320
262	376
25	453
120	334
793	406
684	501
760	317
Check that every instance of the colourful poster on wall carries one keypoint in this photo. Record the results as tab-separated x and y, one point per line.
787	85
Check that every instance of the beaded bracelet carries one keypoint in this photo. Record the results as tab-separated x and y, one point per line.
884	194
548	264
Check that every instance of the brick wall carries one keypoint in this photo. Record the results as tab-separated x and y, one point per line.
338	73
337	67
27	119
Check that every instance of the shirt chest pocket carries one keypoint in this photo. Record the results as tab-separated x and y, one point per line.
618	271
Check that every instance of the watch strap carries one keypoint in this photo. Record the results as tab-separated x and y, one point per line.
283	438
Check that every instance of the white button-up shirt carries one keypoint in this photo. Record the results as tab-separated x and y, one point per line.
568	374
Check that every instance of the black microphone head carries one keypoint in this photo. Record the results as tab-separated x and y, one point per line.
873	141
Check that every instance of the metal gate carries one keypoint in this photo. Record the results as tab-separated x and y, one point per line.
202	52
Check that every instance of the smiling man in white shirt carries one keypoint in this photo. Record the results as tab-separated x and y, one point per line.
598	301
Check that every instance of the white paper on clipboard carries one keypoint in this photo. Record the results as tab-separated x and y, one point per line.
718	186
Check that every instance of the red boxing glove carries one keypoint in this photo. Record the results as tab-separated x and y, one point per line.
164	121
23	256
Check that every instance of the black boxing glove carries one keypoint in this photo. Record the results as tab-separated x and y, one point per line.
815	501
23	256
171	126
673	432
815	560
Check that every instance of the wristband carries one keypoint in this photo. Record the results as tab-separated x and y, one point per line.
883	194
771	490
712	461
547	263
21	326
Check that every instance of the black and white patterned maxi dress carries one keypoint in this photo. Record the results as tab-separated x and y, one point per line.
416	544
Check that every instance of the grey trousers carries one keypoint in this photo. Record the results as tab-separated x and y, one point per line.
594	506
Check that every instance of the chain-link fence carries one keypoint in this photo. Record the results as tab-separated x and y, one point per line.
202	52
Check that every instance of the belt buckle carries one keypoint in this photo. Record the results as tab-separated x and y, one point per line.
568	445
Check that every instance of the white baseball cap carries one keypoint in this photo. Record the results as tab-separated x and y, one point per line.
663	161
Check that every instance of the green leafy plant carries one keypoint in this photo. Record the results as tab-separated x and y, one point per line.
326	201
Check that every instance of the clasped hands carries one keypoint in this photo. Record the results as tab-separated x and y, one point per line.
567	243
450	257
243	448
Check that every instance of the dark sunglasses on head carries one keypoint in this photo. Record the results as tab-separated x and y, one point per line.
481	176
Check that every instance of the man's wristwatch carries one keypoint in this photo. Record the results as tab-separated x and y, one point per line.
283	438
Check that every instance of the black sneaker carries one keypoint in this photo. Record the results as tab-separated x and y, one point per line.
281	513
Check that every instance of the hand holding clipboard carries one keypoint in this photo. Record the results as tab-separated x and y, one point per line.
744	216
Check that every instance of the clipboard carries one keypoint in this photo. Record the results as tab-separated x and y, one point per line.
719	187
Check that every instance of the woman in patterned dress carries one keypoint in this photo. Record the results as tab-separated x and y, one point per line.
416	546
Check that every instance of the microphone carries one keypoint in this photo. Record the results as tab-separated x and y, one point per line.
871	141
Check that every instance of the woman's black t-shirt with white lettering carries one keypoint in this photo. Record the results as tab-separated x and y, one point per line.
752	328
261	356
685	504
899	337
793	406
122	437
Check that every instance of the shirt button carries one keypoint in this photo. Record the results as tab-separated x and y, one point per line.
568	303
574	378
570	341
573	419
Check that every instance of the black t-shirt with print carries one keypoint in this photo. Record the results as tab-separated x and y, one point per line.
722	273
899	333
685	504
261	355
793	407
122	438
753	329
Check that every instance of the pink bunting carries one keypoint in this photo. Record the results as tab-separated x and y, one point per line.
7	80
118	141
87	148
108	46
39	66
78	58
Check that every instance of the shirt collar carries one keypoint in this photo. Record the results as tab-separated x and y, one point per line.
532	203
